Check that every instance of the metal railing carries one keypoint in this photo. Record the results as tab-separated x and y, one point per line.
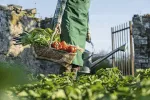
122	34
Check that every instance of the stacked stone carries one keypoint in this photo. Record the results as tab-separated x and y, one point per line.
13	22
141	35
46	23
4	31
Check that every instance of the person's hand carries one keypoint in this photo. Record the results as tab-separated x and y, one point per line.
58	28
88	37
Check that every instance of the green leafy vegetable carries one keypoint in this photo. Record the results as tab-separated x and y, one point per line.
40	37
106	84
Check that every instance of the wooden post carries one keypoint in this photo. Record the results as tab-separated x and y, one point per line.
131	49
112	36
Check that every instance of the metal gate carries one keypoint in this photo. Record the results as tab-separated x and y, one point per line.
122	34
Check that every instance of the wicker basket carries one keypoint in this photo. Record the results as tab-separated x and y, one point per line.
48	53
58	56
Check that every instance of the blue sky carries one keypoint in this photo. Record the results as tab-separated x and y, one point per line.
103	15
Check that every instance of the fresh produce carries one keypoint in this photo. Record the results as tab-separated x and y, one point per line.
106	84
64	46
42	37
56	45
72	49
39	37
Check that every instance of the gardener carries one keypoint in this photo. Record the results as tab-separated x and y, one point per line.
71	20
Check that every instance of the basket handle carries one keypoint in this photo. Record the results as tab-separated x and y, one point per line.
55	32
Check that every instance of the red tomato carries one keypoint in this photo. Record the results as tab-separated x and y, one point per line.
55	45
64	45
71	49
60	46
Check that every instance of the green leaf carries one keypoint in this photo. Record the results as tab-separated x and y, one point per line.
33	94
23	94
59	94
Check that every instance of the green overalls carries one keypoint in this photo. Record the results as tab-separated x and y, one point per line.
74	26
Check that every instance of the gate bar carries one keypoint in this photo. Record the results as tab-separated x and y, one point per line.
131	49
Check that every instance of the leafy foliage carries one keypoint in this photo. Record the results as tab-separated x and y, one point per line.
106	84
40	37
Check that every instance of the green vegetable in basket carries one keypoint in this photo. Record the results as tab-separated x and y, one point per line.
40	37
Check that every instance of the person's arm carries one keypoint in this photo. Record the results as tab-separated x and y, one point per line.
62	8
61	4
88	38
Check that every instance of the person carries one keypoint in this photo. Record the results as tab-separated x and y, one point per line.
71	19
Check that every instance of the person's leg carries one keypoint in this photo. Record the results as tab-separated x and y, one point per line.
75	68
67	68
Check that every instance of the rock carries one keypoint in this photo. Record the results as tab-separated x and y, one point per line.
46	23
30	12
141	35
15	8
12	24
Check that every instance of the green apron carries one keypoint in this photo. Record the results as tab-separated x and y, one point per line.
74	25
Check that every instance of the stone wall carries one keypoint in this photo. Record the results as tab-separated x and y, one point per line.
13	21
141	35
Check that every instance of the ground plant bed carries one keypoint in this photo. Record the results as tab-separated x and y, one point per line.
106	84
